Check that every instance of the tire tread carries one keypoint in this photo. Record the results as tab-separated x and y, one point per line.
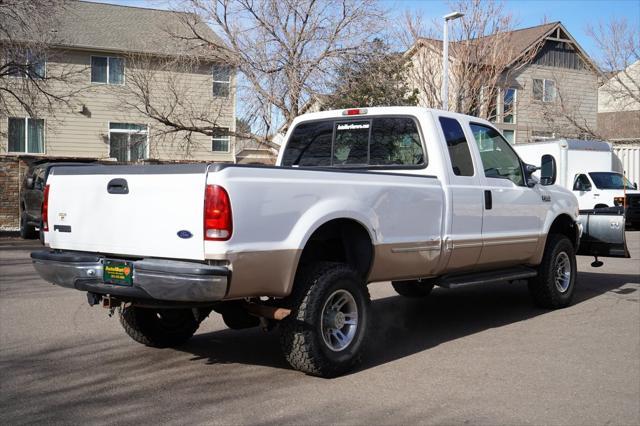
297	335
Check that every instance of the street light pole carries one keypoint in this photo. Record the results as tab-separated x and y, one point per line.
444	89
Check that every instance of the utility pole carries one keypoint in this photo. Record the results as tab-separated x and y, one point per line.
444	90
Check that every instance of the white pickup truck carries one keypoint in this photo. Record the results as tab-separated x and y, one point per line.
416	196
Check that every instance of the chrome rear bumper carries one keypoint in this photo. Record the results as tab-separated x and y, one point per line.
160	279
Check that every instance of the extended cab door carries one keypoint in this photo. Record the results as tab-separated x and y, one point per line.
464	239
513	212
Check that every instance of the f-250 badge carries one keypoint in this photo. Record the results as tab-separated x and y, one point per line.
546	197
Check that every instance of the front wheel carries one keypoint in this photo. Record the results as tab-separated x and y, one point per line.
159	328
554	285
326	331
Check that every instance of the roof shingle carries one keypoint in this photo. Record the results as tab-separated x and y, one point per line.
109	27
519	41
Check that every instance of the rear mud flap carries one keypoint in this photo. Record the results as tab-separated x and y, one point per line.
602	234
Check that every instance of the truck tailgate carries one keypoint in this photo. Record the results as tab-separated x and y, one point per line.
154	211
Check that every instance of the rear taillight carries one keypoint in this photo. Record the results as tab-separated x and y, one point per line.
217	214
45	209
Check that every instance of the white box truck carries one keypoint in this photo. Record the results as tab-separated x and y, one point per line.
587	169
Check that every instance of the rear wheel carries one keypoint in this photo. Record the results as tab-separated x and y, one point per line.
326	332
159	327
413	288
27	232
554	285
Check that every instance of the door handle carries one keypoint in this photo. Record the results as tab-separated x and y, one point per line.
488	201
118	186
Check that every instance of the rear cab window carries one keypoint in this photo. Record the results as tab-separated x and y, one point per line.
359	142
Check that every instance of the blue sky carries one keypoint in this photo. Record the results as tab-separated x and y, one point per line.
574	14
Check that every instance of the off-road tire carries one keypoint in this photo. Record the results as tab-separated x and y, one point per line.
301	332
159	328
27	232
413	288
543	287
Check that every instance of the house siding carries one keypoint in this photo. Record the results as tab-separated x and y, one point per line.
574	112
576	99
72	134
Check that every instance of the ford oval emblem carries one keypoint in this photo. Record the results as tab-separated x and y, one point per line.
185	234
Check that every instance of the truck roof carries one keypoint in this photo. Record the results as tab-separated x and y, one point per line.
390	110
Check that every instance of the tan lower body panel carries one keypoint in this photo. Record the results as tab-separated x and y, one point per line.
508	251
262	273
405	261
271	273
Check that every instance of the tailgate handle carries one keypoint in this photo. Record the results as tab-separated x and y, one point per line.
118	186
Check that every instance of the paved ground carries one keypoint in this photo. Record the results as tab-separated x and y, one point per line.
479	355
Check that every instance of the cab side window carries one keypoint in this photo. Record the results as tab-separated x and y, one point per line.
457	145
498	157
582	183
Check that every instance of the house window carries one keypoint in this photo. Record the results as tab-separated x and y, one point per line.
544	90
509	98
510	136
26	135
107	70
128	142
220	140
221	80
30	65
537	135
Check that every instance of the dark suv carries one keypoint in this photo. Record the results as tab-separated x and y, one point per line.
31	193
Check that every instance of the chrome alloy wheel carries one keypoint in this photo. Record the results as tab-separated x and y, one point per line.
339	320
562	272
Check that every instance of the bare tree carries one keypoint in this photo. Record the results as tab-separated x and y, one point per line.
285	50
375	77
27	38
483	57
167	90
619	55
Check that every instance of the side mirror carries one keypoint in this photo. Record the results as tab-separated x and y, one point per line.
635	185
548	170
29	183
529	169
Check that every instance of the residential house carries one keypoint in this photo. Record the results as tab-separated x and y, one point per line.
619	117
95	43
250	151
619	106
550	88
106	51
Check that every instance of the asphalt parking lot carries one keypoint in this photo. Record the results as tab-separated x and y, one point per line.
480	355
